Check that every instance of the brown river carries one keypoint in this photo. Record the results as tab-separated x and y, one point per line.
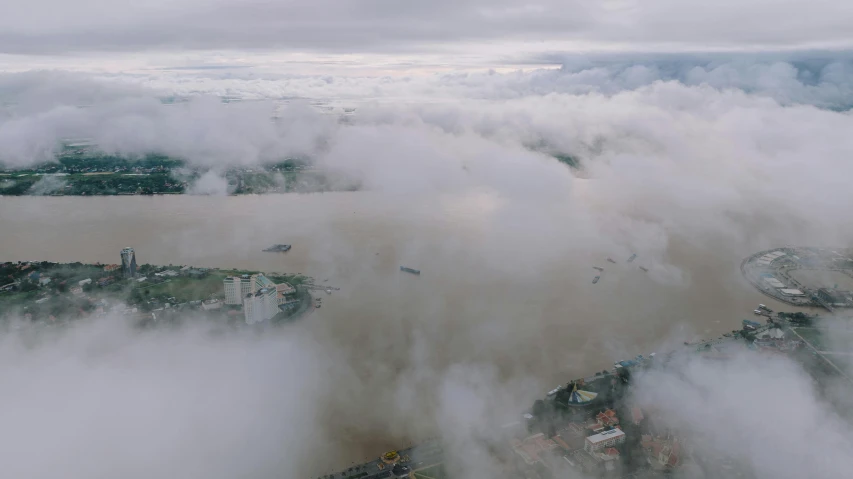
503	284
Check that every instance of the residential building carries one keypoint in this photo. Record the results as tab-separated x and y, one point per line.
237	287
260	305
597	442
128	263
84	282
607	418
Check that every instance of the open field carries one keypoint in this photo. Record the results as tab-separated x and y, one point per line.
185	289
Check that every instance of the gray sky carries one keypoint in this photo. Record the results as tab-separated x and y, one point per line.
370	26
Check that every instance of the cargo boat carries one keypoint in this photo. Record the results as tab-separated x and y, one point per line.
611	260
595	280
278	248
410	270
644	269
598	269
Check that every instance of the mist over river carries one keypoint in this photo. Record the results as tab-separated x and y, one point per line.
481	268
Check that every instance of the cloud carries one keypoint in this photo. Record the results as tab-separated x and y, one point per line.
209	183
698	163
46	185
382	25
711	405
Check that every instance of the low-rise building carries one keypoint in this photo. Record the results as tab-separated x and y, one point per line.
607	418
282	291
532	448
605	439
84	282
209	305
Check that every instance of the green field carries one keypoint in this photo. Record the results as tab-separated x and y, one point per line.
185	289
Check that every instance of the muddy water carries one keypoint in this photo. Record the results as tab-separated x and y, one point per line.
499	286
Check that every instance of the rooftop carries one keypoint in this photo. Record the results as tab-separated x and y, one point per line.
605	436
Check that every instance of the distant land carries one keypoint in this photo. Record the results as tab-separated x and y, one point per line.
83	171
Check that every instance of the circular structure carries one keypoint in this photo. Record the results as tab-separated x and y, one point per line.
803	276
573	396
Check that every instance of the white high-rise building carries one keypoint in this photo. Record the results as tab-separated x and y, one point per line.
257	294
260	305
237	287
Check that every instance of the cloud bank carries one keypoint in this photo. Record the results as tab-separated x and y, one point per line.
382	25
705	156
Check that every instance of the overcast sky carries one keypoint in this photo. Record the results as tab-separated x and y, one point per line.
492	28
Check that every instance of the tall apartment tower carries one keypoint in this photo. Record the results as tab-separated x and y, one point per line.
128	263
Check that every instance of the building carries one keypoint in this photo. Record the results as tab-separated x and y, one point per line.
607	418
661	453
210	305
260	305
111	267
84	282
237	287
833	296
533	448
282	290
128	263
603	440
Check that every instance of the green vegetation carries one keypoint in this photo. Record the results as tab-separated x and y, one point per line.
78	172
569	160
183	289
42	291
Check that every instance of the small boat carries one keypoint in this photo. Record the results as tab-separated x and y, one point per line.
633	256
598	269
410	270
644	269
611	260
595	280
278	248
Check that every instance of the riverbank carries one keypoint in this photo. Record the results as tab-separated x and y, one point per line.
58	292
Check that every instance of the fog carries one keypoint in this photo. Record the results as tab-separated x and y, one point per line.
693	172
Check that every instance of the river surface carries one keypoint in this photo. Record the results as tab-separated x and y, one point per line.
471	270
501	284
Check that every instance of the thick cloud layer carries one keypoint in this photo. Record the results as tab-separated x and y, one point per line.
383	25
714	158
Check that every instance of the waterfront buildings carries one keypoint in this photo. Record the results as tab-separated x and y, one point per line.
128	263
282	290
259	296
260	305
237	287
